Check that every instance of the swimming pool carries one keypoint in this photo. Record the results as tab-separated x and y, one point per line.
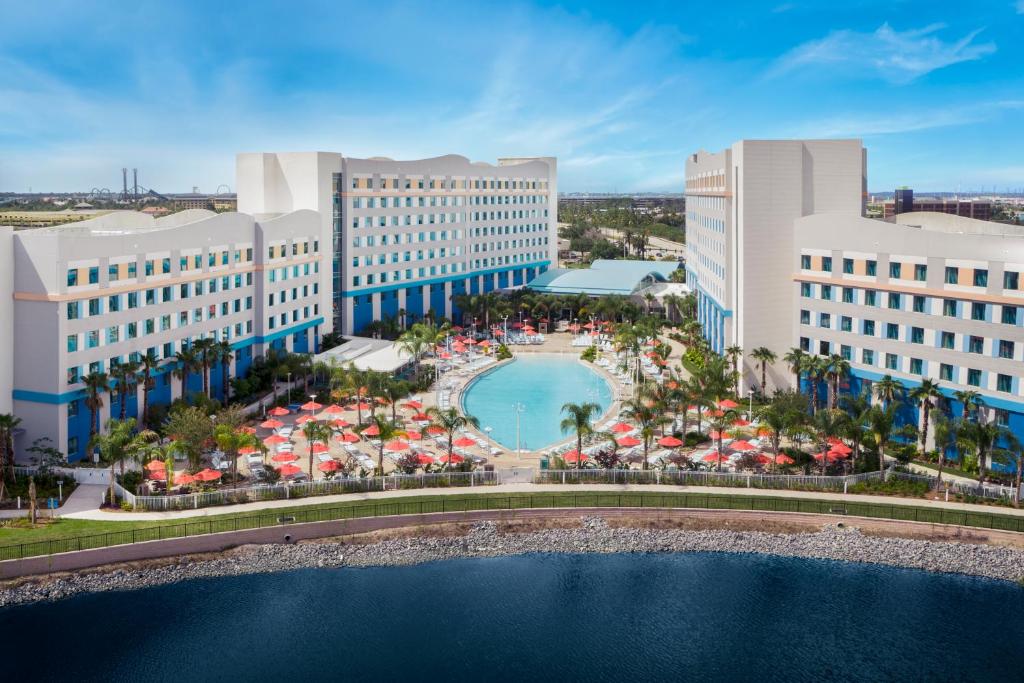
541	384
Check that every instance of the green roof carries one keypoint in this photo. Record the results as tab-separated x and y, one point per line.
603	277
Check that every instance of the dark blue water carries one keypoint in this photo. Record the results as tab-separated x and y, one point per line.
697	617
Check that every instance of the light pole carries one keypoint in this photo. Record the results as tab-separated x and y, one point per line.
750	410
518	409
487	432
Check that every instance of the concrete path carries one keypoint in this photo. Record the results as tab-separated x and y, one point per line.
536	489
85	498
946	474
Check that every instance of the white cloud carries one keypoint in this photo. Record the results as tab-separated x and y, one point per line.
1020	6
899	57
921	118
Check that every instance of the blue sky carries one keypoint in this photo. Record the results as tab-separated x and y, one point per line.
619	92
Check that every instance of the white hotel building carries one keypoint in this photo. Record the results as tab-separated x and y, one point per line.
407	236
780	255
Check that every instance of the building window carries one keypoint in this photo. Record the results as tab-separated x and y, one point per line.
805	262
847	295
73	445
1004	383
825	320
72	343
975	344
824	348
977	311
952	275
871	267
826	292
949	308
870	297
867	357
892	362
1009	315
980	277
73	375
917	335
892	331
894	270
948	340
869	328
94	307
894	301
805	344
805	289
974	377
826	264
1006	348
920	272
846	323
94	275
72	277
916	366
946	372
919	304
73	310
1011	280
848	266
1001	417
805	317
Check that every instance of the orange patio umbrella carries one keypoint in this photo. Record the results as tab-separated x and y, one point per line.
741	445
784	459
329	466
319	448
420	417
425	459
184	478
463	442
413	405
156	465
272	424
289	470
454	458
669	442
334	409
396	446
372	430
304	419
413	435
574	456
274	440
279	411
347	437
435	430
285	457
622	427
728	403
741	423
628	441
311	405
341	424
248	450
713	457
207	475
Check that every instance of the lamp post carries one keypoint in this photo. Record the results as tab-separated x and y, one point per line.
487	432
750	410
518	408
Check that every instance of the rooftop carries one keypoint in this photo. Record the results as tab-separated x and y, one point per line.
365	353
958	225
604	277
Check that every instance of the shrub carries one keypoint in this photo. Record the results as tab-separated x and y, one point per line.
126	506
693	438
503	353
589	354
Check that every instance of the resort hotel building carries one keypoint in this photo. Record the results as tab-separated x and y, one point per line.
780	255
322	243
408	236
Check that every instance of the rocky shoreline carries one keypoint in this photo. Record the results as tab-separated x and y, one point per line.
594	535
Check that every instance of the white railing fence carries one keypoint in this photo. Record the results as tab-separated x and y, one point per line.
700	478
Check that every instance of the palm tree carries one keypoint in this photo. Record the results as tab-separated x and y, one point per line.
720	421
642	411
924	394
96	384
579	418
858	408
206	348
119	443
985	437
392	392
225	354
815	367
8	423
828	425
231	440
882	422
147	364
888	390
765	357
125	376
796	358
971	401
776	420
836	367
734	353
318	432
451	421
187	362
946	434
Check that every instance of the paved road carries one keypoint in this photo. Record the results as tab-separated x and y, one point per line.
537	489
654	243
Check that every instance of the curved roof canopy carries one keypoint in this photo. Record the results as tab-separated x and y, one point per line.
603	277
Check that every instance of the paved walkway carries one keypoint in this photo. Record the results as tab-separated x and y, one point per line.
536	489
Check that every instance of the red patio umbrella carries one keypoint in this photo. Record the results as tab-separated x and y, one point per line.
742	445
284	457
741	423
320	448
362	405
271	424
669	442
311	405
574	456
304	419
184	478
413	435
715	434
289	470
274	440
158	475
413	405
372	430
784	459
712	457
420	417
341	424
329	466
248	450
435	430
842	448
278	411
207	475
728	403
334	409
453	459
156	465
247	430
347	437
425	459
628	441
463	442
622	427
762	458
396	446
830	456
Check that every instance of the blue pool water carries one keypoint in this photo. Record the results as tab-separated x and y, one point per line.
542	384
559	618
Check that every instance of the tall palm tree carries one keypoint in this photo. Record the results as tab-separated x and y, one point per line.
946	434
225	354
815	367
318	432
205	348
734	352
8	423
765	357
888	390
147	364
796	358
187	362
924	394
125	376
985	436
578	420
118	444
230	439
836	368
882	422
386	430
828	424
859	409
647	417
96	384
451	421
393	391
720	421
775	420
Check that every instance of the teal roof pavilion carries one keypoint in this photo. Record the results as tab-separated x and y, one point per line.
604	277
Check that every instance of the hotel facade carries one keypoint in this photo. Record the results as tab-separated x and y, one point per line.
408	236
86	297
740	207
780	255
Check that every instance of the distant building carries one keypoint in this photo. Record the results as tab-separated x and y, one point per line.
905	202
191	200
